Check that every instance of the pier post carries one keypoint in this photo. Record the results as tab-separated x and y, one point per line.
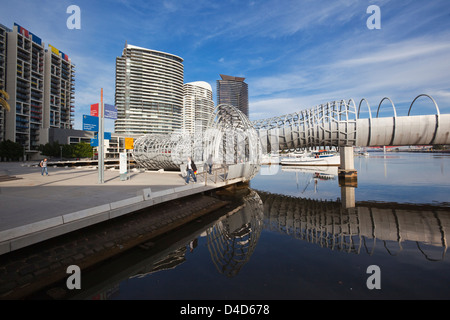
348	196
347	172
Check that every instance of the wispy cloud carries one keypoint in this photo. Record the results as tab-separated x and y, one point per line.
294	54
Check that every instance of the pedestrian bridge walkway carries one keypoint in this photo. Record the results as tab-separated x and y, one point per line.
338	124
230	138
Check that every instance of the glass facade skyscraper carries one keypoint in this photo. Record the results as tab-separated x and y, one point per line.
149	91
233	91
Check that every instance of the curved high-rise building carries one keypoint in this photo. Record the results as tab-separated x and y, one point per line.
198	106
149	91
233	91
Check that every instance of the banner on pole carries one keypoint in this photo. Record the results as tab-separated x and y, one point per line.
110	111
90	123
106	135
94	142
129	143
94	110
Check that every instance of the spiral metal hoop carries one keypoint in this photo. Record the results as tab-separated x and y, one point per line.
229	138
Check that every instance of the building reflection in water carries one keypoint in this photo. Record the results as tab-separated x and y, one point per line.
232	238
364	228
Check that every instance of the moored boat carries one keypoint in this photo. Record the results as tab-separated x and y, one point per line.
314	158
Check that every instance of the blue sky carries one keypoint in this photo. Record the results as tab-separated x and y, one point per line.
294	54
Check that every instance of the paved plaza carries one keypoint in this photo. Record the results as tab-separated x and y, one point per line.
36	207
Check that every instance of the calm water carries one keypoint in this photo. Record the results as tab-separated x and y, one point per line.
292	239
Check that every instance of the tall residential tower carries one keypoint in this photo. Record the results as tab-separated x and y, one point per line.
149	91
233	91
198	106
25	86
3	54
40	83
59	89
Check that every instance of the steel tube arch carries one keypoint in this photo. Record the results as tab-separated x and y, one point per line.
233	138
230	138
332	124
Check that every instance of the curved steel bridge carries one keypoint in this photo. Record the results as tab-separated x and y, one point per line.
231	138
338	124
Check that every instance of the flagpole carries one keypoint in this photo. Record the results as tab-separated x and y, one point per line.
101	144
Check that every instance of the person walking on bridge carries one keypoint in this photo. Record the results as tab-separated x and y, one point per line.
191	169
209	163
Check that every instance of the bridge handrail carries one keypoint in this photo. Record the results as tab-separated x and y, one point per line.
426	255
395	117
424	95
392	103
438	115
370	118
368	107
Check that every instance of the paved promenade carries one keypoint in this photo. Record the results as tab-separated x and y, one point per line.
35	207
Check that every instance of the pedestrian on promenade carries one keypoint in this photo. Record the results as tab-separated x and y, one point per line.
209	162
191	168
43	165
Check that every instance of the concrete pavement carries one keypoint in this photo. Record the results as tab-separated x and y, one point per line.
36	208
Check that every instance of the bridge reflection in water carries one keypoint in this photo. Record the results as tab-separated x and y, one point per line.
366	227
328	224
369	226
231	240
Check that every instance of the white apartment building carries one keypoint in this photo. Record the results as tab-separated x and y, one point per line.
149	91
3	41
40	83
25	86
198	106
59	89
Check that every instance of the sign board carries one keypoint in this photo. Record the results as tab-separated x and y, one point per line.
90	123
129	143
106	135
110	112
123	163
94	110
94	142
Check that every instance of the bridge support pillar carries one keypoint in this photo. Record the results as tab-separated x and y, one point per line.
348	196
347	173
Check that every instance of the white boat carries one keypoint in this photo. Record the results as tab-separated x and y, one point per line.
270	159
323	171
361	153
315	158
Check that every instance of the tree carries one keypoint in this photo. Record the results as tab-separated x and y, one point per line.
11	150
50	149
82	150
79	150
